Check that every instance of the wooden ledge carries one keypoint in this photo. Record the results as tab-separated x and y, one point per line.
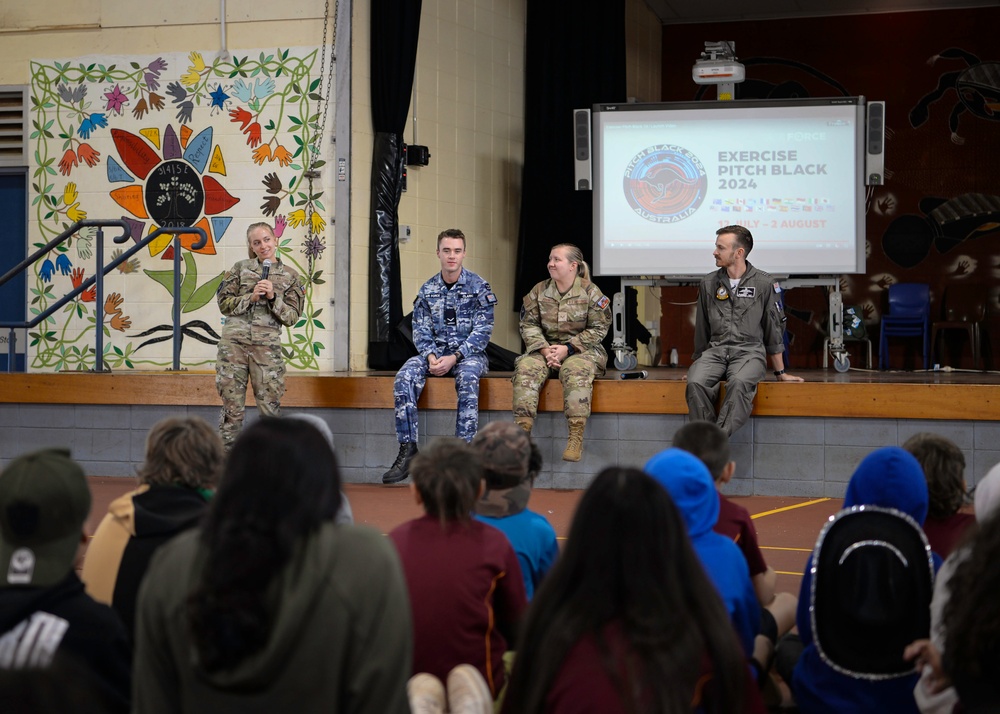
817	397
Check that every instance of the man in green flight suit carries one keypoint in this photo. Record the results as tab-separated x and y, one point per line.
740	318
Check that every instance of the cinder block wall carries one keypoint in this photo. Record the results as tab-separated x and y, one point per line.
776	456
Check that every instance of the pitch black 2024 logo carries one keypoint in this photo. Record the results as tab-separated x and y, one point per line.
665	183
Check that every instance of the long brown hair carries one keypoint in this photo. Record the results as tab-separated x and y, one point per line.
281	483
629	568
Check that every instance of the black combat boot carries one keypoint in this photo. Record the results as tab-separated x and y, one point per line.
400	468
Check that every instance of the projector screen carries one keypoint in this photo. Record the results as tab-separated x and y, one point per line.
667	176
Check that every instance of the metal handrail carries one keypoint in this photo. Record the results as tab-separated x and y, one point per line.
98	278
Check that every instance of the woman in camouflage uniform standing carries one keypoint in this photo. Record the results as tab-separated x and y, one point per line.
257	297
563	321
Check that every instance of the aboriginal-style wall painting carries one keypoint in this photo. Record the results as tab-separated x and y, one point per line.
174	140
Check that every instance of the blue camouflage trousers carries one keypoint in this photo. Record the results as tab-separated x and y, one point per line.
410	381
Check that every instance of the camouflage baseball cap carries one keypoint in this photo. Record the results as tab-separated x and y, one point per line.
44	501
506	451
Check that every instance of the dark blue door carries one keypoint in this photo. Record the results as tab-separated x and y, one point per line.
13	249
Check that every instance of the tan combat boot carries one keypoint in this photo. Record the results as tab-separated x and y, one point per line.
525	423
574	445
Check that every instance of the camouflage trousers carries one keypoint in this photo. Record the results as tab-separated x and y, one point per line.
576	374
236	364
741	368
410	381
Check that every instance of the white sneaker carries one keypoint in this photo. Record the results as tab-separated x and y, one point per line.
468	692
426	694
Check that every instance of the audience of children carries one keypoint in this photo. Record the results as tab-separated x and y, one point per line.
934	693
624	622
464	579
511	461
184	457
944	468
270	605
270	598
693	492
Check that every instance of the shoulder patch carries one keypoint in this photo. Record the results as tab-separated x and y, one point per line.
489	299
777	287
603	302
523	311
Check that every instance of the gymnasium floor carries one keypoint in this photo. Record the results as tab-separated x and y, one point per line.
787	527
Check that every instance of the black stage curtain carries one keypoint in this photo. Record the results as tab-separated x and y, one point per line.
394	31
575	58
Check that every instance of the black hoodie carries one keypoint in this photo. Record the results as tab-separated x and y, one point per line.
36	624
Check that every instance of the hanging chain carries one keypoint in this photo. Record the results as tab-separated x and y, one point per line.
327	92
314	242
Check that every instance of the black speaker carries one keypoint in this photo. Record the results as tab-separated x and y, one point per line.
875	145
581	150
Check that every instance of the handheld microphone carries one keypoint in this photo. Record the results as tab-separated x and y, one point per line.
641	374
266	270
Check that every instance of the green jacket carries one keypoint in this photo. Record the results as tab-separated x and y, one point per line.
341	640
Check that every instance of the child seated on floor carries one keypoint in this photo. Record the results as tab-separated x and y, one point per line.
510	463
944	468
626	621
690	486
709	443
887	478
464	580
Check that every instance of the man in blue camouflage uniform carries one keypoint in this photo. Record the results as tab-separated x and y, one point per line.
740	318
452	324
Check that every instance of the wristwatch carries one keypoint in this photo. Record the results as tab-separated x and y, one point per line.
569	349
458	356
778	372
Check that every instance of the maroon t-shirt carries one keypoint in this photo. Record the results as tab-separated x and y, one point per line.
735	522
466	595
584	685
944	534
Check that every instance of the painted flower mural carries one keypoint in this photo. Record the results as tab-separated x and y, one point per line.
172	141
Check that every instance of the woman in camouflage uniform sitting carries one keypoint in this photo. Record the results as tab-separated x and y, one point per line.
563	321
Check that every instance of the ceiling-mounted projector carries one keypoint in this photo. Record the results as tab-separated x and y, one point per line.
717	72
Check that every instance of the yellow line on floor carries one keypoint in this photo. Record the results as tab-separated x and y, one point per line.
778	547
785	572
789	508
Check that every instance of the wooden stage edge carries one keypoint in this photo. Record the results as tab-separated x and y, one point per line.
971	396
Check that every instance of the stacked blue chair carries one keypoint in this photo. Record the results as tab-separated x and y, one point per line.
909	315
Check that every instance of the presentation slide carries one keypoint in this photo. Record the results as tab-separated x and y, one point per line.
667	176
